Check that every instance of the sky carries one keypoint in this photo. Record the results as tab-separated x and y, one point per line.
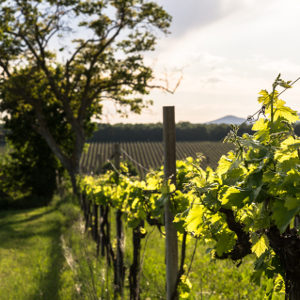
226	51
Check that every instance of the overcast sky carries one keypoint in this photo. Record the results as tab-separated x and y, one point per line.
226	51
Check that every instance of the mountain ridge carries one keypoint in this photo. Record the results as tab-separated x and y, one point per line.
229	119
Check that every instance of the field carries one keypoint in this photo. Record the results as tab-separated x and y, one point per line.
149	155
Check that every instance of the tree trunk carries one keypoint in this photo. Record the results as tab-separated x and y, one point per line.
74	183
135	268
95	225
109	252
181	268
120	269
87	215
102	230
287	247
70	161
292	272
294	290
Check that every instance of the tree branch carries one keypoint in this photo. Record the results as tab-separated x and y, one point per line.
84	100
243	244
5	68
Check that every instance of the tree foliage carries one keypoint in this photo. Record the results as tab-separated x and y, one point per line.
31	167
102	62
185	131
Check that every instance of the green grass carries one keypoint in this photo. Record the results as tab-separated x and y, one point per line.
32	262
45	254
211	279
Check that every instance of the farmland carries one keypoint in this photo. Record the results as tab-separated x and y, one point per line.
149	155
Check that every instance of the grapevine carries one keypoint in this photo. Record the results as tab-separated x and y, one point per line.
249	205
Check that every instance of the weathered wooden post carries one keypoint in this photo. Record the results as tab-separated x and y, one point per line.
169	137
119	274
95	231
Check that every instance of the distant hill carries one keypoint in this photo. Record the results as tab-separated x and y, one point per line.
232	120
228	120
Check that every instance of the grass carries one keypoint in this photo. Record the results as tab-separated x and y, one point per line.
45	254
211	279
32	262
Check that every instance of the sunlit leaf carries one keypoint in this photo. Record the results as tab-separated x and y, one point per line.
260	246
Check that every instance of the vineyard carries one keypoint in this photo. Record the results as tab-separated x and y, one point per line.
248	204
149	155
153	212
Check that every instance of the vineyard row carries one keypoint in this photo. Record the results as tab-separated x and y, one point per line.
150	154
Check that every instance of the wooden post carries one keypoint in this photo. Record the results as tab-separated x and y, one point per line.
96	226
120	272
117	154
169	136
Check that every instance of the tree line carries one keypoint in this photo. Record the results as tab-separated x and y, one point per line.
185	131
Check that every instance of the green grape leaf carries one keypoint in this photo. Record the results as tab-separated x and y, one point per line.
184	287
282	111
260	246
194	219
223	165
235	197
282	216
292	202
264	97
260	125
225	242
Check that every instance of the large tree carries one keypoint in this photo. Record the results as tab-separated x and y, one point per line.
31	168
100	57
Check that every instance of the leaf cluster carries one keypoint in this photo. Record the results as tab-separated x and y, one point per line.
251	201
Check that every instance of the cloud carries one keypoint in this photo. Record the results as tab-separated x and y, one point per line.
227	50
191	14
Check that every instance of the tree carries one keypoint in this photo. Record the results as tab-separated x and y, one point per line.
103	62
31	168
251	203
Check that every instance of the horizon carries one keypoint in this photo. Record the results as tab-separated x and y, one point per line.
178	122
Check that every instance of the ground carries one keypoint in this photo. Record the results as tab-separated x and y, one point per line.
32	262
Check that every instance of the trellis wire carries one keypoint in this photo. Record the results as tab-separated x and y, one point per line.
262	109
134	161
